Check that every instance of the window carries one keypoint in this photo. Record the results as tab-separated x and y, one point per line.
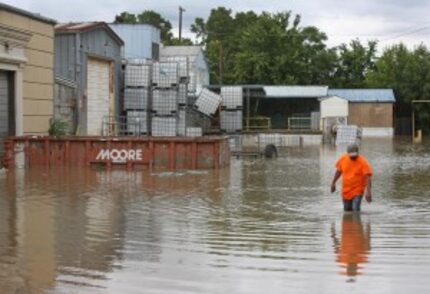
155	51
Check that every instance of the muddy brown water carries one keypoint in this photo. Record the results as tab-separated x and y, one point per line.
259	226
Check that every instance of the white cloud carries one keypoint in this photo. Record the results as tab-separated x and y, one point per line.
342	20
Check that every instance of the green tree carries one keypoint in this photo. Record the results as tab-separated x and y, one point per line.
220	29
355	61
408	73
265	48
176	42
125	17
155	19
199	29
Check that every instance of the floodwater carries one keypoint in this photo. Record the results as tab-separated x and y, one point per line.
260	226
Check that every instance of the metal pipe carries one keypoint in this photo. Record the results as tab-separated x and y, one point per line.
181	10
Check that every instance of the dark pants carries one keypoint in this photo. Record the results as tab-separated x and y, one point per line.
353	205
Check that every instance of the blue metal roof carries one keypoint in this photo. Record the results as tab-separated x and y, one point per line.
364	95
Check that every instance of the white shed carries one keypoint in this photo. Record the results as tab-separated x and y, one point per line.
334	112
334	106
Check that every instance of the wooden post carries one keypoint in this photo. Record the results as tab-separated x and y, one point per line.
248	108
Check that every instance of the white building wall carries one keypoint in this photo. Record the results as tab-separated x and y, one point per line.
334	107
378	132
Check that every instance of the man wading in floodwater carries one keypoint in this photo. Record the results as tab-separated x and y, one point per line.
356	175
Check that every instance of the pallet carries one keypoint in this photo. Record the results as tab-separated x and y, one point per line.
169	87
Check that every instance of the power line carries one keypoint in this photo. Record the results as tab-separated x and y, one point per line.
406	33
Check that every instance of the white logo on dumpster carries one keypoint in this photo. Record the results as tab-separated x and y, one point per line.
119	156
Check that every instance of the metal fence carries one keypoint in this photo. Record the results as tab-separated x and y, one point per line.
299	123
121	126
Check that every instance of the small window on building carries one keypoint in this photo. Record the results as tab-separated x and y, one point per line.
155	51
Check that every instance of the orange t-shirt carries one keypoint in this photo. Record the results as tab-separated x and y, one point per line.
353	175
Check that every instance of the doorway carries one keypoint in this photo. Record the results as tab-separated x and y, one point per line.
7	107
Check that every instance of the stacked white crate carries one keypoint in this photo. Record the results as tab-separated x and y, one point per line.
231	116
165	80
194	132
346	135
137	96
164	101
165	74
208	102
184	79
164	126
137	122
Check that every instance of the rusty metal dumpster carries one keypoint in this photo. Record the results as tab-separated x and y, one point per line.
208	152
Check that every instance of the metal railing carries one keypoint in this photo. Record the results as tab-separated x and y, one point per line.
299	123
258	123
121	126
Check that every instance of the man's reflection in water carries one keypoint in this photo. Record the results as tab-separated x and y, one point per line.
354	245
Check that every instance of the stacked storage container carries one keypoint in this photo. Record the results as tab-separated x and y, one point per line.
165	89
184	118
137	97
156	99
231	115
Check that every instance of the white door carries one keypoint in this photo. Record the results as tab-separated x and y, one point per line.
4	108
98	95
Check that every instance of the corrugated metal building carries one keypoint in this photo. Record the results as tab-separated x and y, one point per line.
370	109
291	107
141	41
26	72
198	67
87	57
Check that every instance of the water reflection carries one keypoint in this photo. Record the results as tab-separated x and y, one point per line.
353	247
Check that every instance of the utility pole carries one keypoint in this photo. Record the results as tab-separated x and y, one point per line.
221	64
181	10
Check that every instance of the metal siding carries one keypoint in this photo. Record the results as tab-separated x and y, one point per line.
190	51
138	39
92	43
373	115
65	56
295	91
201	68
199	71
364	95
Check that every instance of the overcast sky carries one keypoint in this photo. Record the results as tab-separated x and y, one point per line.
389	21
